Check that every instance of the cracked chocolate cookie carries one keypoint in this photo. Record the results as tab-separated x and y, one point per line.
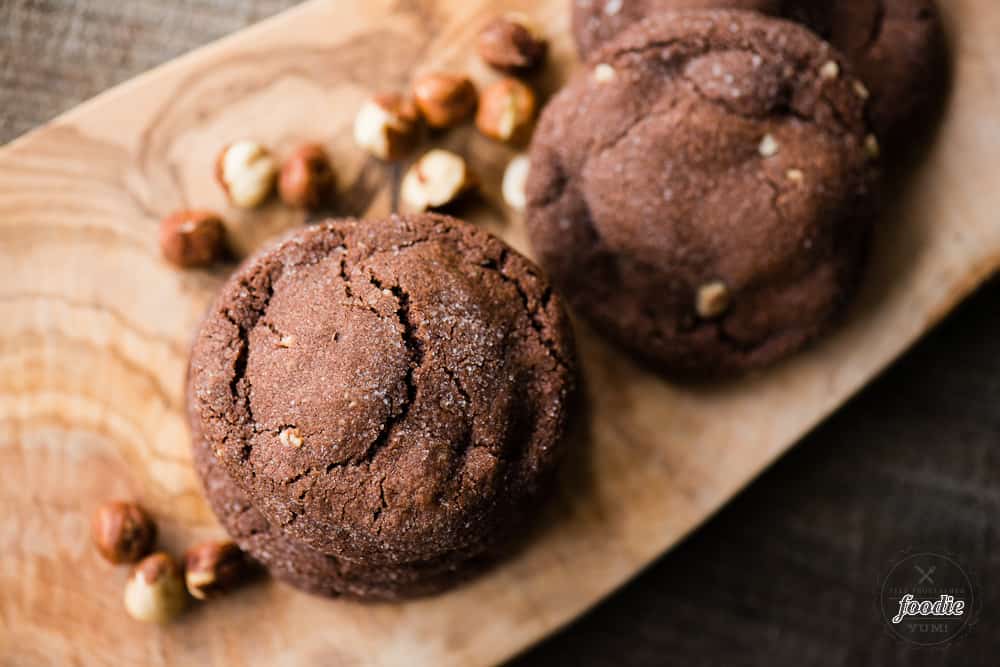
897	47
390	392
702	191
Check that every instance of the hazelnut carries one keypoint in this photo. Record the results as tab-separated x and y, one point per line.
445	99
214	568
506	111
155	590
387	126
122	532
515	177
712	300
307	179
291	437
872	147
246	171
435	180
795	175
512	43
192	238
768	146
604	73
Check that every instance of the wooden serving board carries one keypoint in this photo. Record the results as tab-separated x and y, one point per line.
94	330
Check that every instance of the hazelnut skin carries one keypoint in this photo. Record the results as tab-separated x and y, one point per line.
214	568
155	591
122	532
191	239
512	44
307	179
445	100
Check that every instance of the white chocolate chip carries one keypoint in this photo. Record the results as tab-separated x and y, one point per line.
286	341
604	73
795	175
872	147
861	91
291	437
713	300
830	70
768	146
612	7
515	177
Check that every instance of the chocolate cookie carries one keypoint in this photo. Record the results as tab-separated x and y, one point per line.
702	191
897	47
390	392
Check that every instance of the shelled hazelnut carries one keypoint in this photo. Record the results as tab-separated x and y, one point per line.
307	179
387	126
512	43
506	111
155	591
435	180
515	178
712	300
122	532
214	568
246	171
445	99
192	238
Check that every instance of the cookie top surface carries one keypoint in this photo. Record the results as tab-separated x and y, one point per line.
383	391
895	46
703	148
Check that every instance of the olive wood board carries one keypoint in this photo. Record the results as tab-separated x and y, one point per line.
95	328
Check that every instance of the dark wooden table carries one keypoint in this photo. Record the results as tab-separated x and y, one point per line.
788	574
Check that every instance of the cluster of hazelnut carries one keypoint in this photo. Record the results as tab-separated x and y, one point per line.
247	173
388	126
159	587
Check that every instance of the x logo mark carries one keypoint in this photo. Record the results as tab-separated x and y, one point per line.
925	575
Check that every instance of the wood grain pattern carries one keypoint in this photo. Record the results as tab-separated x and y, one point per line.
94	329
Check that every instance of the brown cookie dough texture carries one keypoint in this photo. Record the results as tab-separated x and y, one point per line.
897	47
702	191
305	568
375	404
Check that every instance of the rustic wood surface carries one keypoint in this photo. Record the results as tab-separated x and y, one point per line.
92	362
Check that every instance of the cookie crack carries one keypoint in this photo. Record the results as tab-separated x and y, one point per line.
878	25
499	267
653	46
383	505
415	349
242	360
